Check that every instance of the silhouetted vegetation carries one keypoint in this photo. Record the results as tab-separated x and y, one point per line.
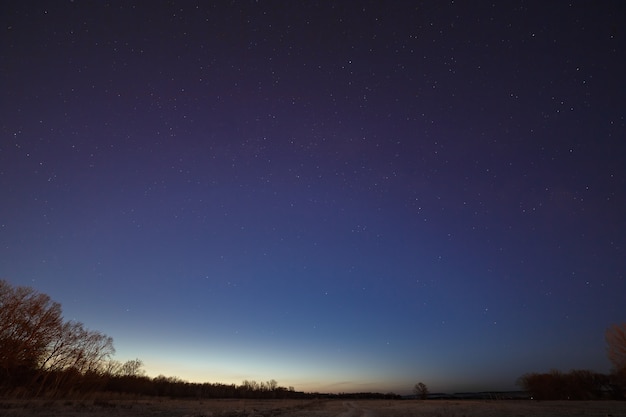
584	384
43	355
40	353
173	387
357	396
616	351
575	385
616	344
421	391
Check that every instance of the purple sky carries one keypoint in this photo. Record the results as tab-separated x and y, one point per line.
341	196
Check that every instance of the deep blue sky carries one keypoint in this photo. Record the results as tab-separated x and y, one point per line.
341	196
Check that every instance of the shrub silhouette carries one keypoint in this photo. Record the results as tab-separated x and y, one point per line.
555	385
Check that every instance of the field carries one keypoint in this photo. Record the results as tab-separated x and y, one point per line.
308	408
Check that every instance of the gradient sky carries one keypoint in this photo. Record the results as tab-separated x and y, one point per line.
341	196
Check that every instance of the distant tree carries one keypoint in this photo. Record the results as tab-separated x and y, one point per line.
272	384
616	341
250	385
132	368
616	350
421	390
583	384
544	386
112	367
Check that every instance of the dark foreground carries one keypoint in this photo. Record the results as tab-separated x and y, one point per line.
308	408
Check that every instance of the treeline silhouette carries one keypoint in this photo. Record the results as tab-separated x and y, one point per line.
584	384
574	385
172	387
41	354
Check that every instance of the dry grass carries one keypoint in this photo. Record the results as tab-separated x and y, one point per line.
150	407
508	408
307	408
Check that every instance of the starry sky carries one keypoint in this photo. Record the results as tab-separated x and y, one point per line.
340	196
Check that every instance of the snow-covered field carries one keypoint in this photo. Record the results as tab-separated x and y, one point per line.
308	408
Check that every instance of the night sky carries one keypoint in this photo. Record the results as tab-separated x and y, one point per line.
341	196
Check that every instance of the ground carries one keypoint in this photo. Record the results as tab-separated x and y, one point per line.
307	408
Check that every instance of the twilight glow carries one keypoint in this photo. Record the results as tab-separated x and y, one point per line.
350	196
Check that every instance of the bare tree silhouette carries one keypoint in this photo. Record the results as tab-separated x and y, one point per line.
421	390
616	341
38	351
132	368
29	323
616	350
